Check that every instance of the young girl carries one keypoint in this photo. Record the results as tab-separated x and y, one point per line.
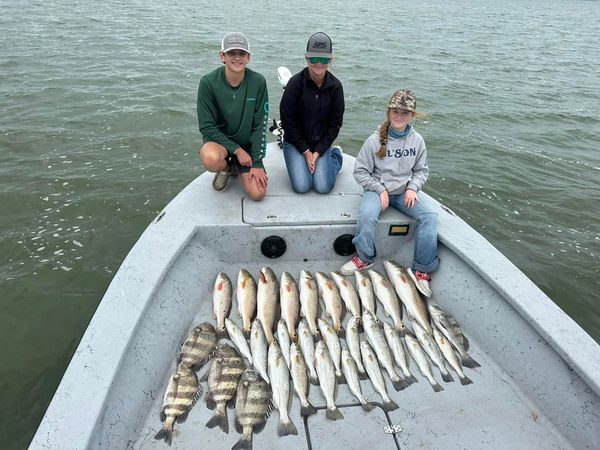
392	168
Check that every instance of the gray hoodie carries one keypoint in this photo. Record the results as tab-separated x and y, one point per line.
404	166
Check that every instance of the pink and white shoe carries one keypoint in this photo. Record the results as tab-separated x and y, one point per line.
353	265
421	280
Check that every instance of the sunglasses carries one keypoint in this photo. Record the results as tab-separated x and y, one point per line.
318	59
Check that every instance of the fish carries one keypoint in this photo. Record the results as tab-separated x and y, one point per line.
183	390
328	291
365	291
418	354
221	302
267	301
450	356
280	384
347	292
307	345
298	370
387	296
309	301
284	341
198	347
428	343
372	366
350	370
237	336
353	342
290	304
246	299
327	380
333	345
407	291
398	350
377	340
259	349
224	375
450	328
252	407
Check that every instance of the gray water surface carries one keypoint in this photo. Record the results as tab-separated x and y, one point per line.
98	132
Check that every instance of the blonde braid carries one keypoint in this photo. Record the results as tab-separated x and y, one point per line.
383	139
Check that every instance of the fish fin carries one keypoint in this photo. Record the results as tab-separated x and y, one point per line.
437	388
316	337
231	403
465	380
308	410
469	362
204	376
447	377
334	414
314	381
363	375
219	420
389	405
166	434
223	334
244	443
260	426
210	403
341	332
465	342
287	428
238	426
340	378
399	384
367	406
182	417
163	416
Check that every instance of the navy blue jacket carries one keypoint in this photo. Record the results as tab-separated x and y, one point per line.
312	117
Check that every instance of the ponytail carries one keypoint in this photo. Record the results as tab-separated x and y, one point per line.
383	139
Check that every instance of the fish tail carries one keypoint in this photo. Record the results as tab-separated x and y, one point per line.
166	434
436	387
362	375
341	332
223	334
399	384
469	362
247	336
287	428
389	405
244	443
334	413
367	406
308	410
314	380
411	379
219	420
465	380
340	378
447	377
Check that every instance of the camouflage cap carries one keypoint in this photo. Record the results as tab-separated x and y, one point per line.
403	99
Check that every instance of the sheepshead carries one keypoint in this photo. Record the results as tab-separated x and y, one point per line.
449	327
348	293
450	356
365	292
259	349
221	301
198	346
327	380
351	373
290	304
223	377
307	345
328	291
182	392
353	341
309	301
280	384
407	291
267	301
246	299
418	354
334	347
298	371
384	355
284	341
388	298
397	347
237	336
428	343
252	407
372	367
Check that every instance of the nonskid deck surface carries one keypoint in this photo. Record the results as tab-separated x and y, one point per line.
490	413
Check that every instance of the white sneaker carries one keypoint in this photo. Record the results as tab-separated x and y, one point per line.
342	155
353	265
421	281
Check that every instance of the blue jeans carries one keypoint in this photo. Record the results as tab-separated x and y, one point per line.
323	180
425	257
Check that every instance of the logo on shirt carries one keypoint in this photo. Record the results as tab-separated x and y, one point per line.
400	152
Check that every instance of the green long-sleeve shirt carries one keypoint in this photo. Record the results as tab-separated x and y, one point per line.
234	117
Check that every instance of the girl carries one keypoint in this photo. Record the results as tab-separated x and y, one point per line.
392	168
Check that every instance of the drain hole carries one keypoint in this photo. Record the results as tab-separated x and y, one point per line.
273	246
343	245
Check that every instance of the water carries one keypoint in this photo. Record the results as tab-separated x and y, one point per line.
98	132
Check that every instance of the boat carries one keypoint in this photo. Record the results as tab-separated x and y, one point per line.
538	385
